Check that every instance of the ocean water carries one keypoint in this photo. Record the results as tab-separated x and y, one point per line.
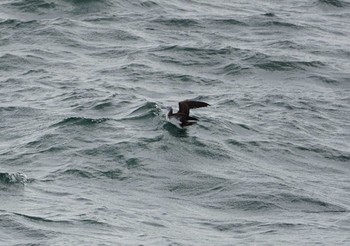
87	157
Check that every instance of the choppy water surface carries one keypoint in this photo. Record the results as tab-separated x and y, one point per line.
87	157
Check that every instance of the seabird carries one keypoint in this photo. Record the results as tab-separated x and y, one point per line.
182	118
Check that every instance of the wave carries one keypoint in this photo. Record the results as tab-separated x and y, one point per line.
44	7
195	79
281	202
19	24
181	23
270	20
89	173
48	143
233	69
276	65
286	44
80	121
67	32
203	52
303	203
103	105
245	205
16	108
40	219
197	56
10	62
13	178
33	5
78	173
281	24
147	110
334	3
325	79
83	2
196	183
227	22
147	4
325	151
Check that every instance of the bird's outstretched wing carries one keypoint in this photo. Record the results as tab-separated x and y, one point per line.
185	106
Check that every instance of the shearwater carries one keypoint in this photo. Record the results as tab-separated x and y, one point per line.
182	118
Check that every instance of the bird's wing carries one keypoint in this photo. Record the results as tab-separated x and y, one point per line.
185	106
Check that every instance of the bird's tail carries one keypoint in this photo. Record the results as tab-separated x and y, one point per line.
191	118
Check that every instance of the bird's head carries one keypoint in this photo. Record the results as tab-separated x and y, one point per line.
169	109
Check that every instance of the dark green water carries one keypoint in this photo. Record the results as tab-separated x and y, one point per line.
87	157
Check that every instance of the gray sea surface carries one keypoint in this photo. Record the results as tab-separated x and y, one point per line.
88	158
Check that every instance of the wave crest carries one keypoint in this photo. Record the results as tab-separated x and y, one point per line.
81	121
13	178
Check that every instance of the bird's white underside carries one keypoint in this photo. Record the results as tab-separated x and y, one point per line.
173	120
